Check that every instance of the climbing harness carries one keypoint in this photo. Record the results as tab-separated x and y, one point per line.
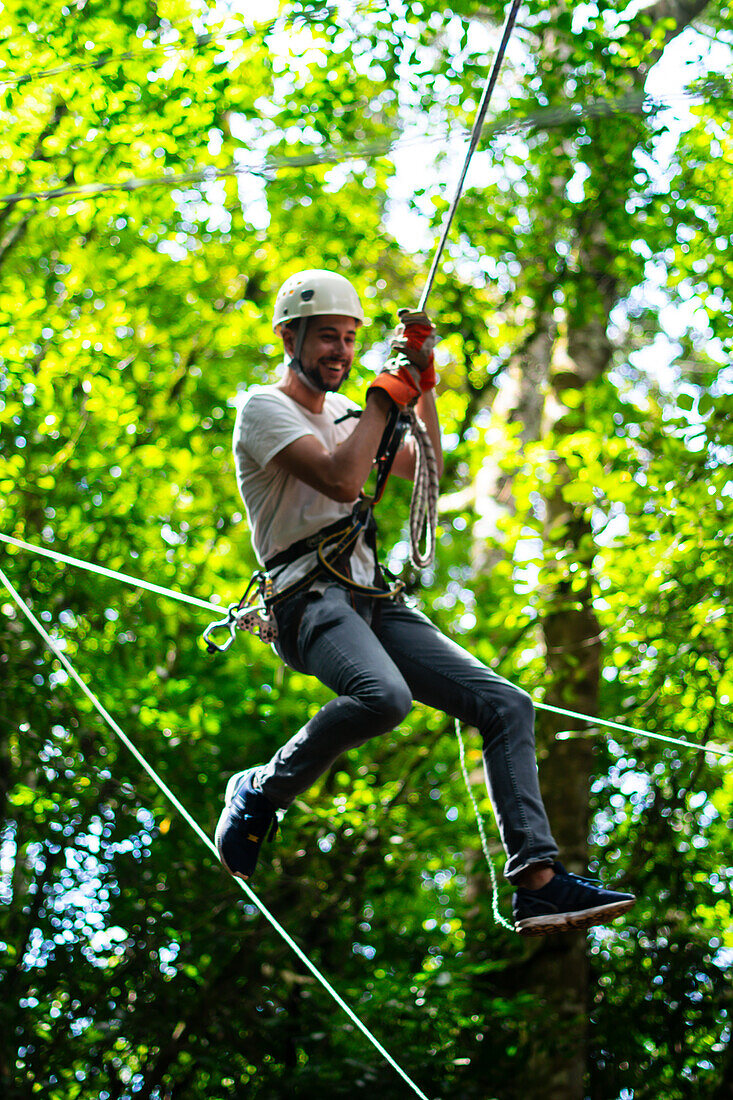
333	546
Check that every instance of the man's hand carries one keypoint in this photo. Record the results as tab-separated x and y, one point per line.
410	370
416	338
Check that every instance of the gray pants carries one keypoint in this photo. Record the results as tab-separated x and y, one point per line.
377	663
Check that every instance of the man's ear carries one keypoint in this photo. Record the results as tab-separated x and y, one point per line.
289	341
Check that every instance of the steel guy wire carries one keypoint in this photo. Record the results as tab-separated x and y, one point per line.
204	38
205	839
137	582
542	118
100	62
211	173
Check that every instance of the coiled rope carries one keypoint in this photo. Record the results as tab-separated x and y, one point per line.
424	500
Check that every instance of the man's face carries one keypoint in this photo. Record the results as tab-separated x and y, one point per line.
328	350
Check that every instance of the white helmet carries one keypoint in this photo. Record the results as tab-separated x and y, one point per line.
315	292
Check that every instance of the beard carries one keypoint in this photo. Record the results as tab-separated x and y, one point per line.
325	385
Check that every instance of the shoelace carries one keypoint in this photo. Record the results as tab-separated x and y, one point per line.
594	882
258	822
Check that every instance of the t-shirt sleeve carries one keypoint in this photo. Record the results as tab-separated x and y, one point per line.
267	425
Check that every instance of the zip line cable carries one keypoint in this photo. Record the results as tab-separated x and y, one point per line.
208	843
20	79
205	38
136	582
543	117
217	609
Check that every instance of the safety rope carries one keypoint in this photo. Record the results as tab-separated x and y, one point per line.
482	833
203	837
472	146
424	502
91	567
716	750
136	582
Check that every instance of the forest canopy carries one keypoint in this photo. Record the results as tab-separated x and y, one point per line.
167	165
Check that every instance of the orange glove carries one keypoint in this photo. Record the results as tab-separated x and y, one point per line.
400	380
416	338
410	371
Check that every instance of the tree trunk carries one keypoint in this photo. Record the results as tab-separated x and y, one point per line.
556	1064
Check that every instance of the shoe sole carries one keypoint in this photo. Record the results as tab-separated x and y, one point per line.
229	794
572	922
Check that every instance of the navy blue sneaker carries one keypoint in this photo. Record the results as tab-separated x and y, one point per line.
247	819
566	903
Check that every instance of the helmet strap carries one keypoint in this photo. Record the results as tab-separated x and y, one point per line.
296	364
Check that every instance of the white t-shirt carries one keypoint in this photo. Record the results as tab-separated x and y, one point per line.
281	509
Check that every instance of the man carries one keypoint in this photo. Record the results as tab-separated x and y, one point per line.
303	454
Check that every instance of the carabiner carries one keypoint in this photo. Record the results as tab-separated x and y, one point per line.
230	623
255	580
237	612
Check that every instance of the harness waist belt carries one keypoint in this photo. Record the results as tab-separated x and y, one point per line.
308	544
